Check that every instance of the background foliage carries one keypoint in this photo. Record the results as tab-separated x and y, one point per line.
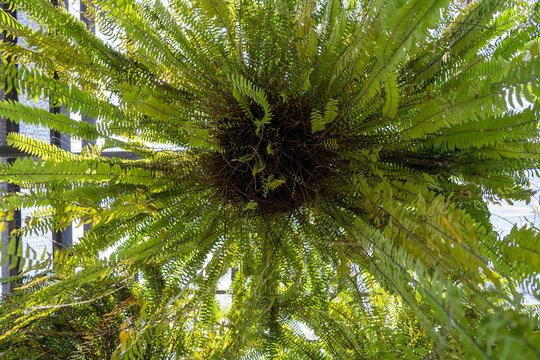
334	157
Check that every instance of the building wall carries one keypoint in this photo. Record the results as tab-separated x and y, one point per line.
41	243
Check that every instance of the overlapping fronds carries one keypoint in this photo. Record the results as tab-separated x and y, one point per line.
332	158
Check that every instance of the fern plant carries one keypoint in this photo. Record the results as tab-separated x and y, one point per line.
335	158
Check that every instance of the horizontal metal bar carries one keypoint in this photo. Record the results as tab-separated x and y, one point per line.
11	152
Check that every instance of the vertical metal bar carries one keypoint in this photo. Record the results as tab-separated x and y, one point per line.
61	239
13	265
86	10
4	235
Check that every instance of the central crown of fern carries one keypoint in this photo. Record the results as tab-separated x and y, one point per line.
273	154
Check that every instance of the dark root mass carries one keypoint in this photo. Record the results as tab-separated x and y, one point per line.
280	168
